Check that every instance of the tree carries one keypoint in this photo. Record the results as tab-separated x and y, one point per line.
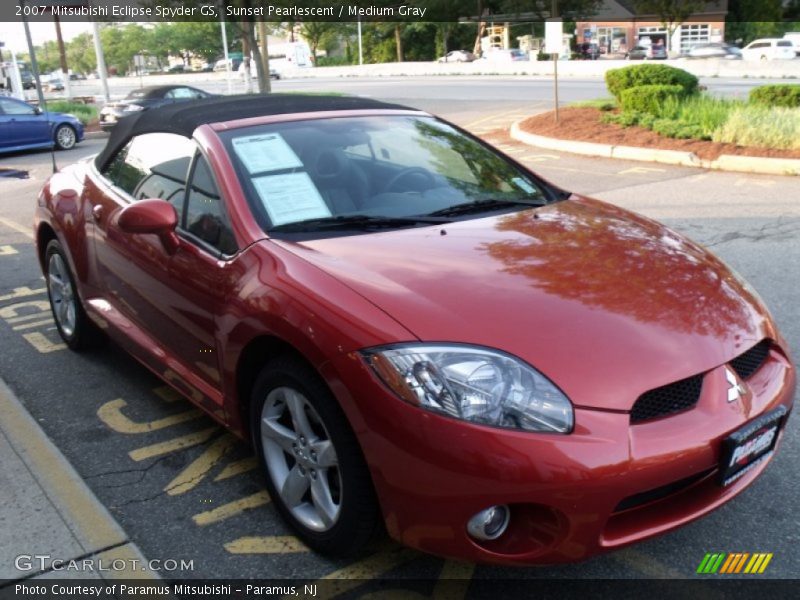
751	19
121	44
316	33
198	38
80	53
671	13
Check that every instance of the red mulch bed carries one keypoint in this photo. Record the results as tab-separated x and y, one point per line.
583	124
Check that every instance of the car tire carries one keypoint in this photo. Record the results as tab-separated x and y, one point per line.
297	428
74	326
65	137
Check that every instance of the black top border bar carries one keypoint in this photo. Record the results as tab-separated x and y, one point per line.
497	11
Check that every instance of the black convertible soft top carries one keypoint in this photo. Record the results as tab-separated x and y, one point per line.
183	118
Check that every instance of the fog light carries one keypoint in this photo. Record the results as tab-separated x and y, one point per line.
489	524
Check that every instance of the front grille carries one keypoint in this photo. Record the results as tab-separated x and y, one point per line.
667	399
748	363
661	492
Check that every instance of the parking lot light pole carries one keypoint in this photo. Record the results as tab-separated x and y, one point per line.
225	48
101	61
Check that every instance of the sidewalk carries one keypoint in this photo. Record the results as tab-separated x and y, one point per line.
47	513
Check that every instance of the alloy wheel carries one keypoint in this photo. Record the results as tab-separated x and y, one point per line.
301	459
62	295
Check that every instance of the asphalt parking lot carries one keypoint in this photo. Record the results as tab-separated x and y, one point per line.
184	489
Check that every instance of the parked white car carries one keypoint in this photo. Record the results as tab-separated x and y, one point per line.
769	49
794	37
457	56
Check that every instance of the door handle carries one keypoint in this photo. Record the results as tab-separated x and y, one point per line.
97	212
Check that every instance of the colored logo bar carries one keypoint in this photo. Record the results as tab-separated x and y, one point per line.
723	563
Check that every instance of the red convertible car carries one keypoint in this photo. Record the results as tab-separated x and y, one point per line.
417	333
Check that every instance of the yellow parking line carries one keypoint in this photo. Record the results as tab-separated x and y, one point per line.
26	231
38	340
111	414
7	250
21	292
372	567
237	468
491	118
273	544
186	441
231	509
47	321
192	475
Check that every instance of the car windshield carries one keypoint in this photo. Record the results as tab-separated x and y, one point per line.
394	171
136	94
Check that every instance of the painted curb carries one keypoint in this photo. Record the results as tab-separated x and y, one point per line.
92	526
726	162
95	135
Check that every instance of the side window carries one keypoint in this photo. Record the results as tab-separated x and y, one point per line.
178	93
153	165
12	107
205	216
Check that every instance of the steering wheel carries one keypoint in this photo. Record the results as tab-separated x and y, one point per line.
422	180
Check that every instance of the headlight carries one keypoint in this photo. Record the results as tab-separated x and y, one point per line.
133	108
475	384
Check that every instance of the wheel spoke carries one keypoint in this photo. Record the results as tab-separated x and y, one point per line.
63	309
296	405
272	430
70	315
326	454
56	284
321	498
294	487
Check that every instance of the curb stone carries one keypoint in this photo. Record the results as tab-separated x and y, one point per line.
726	162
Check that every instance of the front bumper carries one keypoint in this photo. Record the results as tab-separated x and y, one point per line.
606	485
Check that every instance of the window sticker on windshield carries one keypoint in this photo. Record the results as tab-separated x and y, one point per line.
290	198
265	153
524	185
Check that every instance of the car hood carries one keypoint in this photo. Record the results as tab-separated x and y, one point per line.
606	303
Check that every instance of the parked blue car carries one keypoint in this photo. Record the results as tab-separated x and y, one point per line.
26	127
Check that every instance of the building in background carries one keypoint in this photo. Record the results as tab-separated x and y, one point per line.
617	27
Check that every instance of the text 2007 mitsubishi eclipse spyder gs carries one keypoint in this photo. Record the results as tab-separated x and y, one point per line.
417	333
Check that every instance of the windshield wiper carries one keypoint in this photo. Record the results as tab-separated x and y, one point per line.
357	222
482	205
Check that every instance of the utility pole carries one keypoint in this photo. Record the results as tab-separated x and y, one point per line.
553	15
101	60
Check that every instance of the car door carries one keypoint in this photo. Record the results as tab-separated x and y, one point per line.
201	275
23	125
169	324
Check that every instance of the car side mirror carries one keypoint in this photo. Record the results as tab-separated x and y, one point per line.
37	110
154	216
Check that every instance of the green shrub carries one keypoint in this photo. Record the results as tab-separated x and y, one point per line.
786	95
676	129
333	61
762	127
618	80
84	112
649	98
604	104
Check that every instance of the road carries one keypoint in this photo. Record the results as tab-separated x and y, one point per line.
451	95
182	489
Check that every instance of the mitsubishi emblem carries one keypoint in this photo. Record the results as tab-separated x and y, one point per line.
735	390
